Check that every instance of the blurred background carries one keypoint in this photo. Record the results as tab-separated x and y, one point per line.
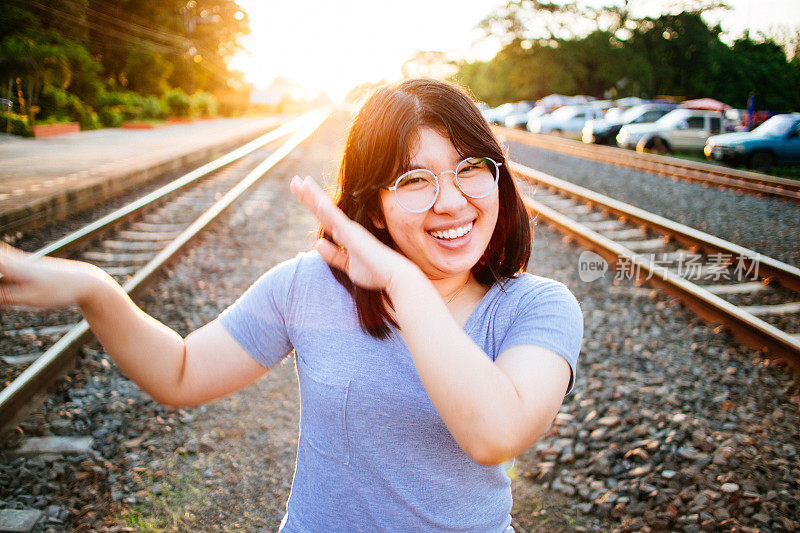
103	63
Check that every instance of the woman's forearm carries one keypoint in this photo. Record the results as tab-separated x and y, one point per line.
475	399
147	351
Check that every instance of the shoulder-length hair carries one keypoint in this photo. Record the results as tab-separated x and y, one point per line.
378	149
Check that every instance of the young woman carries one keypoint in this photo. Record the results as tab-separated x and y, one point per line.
426	359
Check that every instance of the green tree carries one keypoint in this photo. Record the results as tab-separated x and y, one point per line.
147	72
576	48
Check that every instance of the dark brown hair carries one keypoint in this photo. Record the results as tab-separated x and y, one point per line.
378	150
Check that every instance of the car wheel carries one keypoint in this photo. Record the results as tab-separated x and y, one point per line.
654	145
761	161
660	146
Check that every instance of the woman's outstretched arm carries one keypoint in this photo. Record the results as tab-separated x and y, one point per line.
208	364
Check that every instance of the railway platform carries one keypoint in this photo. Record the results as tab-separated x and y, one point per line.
44	179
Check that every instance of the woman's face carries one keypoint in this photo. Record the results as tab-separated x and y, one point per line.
440	257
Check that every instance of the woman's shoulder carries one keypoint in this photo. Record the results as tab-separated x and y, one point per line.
526	286
304	264
305	268
310	263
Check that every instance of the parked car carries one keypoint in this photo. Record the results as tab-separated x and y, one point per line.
498	114
521	120
569	119
680	129
604	130
776	141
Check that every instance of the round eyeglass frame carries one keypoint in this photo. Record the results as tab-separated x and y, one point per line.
393	188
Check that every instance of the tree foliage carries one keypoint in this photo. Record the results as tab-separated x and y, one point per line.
571	48
75	51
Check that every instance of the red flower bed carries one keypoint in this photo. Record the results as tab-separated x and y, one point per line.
48	130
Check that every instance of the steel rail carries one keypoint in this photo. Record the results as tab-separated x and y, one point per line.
15	397
786	274
76	238
745	326
704	173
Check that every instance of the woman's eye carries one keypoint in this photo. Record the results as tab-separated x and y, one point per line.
416	181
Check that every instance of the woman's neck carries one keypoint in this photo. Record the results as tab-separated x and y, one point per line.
449	288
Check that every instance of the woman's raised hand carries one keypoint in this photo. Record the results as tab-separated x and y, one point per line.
367	261
41	282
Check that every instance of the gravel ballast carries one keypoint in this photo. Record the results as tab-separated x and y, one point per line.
672	424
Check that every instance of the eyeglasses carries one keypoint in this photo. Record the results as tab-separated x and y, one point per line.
417	190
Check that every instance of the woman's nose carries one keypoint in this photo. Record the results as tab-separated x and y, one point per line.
450	197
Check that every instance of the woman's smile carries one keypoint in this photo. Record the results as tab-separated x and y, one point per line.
453	233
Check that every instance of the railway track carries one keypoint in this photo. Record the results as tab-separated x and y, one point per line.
703	173
133	244
754	296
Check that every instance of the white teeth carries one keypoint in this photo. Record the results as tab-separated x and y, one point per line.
452	233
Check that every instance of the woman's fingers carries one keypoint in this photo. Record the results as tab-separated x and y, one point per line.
332	254
11	295
332	219
12	272
10	260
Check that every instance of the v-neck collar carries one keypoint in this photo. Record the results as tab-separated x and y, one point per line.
479	309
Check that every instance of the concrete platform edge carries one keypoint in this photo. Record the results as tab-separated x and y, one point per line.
69	201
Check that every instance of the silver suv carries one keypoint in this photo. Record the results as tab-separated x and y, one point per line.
681	129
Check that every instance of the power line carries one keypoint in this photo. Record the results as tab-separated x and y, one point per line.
166	37
111	32
130	41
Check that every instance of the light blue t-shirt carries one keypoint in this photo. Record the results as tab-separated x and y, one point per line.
373	452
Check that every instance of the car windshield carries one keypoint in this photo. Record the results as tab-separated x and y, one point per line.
615	114
537	111
565	112
631	114
673	118
775	126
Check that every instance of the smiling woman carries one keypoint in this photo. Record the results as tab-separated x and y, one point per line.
426	357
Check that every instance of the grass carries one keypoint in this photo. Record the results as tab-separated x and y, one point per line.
792	173
171	509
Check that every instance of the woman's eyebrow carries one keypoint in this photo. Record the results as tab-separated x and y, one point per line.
415	165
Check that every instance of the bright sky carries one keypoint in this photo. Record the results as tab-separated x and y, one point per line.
334	45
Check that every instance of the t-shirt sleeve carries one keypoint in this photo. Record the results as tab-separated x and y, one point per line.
549	317
258	319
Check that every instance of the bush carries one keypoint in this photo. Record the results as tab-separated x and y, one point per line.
179	103
53	102
57	105
205	103
152	107
89	119
15	124
127	104
111	117
117	98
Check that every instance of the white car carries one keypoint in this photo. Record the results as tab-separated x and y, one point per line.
569	119
520	121
680	129
499	114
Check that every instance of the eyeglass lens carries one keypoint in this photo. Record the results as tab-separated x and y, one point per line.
417	189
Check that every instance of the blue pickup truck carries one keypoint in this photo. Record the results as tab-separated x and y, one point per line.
776	141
